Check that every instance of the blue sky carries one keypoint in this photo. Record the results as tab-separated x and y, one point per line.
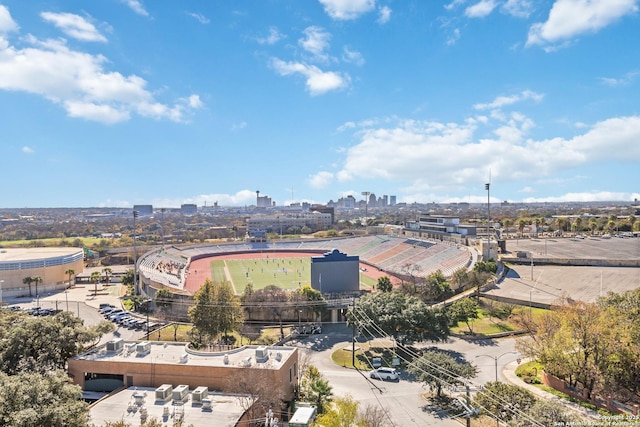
123	102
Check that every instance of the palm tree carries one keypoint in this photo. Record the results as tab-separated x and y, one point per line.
70	272
521	224
107	272
593	225
36	280
28	281
578	224
632	221
95	278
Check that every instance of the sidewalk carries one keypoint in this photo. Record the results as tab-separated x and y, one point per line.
509	373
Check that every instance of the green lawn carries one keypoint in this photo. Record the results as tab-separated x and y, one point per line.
87	242
487	324
285	273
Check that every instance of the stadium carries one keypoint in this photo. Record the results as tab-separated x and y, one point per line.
286	263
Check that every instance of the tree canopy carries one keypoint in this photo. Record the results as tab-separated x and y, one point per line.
438	369
216	310
398	314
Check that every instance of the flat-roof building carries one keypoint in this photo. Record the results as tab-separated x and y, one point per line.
120	363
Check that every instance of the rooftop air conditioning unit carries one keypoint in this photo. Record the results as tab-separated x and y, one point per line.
164	392
115	344
143	348
246	362
180	393
262	354
199	393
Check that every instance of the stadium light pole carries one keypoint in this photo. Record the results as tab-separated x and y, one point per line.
135	255
162	224
486	187
366	205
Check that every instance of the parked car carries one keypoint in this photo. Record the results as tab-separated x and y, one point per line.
107	310
308	329
384	374
106	305
115	314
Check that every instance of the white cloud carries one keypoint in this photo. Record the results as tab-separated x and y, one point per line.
321	179
316	42
432	157
79	83
238	126
28	150
453	37
241	198
518	8
274	37
481	9
347	9
502	101
570	18
384	15
7	24
620	81
199	17
318	82
454	4
136	6
595	196
74	26
352	56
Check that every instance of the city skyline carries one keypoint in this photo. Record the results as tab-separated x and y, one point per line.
127	102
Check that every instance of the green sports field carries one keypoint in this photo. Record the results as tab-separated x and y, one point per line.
285	273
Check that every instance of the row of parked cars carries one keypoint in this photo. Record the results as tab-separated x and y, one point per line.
39	311
122	317
126	319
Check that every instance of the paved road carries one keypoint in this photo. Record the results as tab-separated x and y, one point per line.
402	400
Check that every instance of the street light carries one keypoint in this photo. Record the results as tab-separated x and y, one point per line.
486	187
135	255
495	359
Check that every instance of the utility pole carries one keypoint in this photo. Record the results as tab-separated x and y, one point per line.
135	255
353	335
468	405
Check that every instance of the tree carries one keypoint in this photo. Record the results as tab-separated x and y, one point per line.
343	412
548	413
41	344
107	274
395	314
36	280
464	310
127	278
574	342
70	272
31	399
438	369
273	300
28	281
384	284
507	402
202	313
315	389
216	310
95	278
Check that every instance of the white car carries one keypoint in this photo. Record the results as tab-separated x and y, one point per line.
389	374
